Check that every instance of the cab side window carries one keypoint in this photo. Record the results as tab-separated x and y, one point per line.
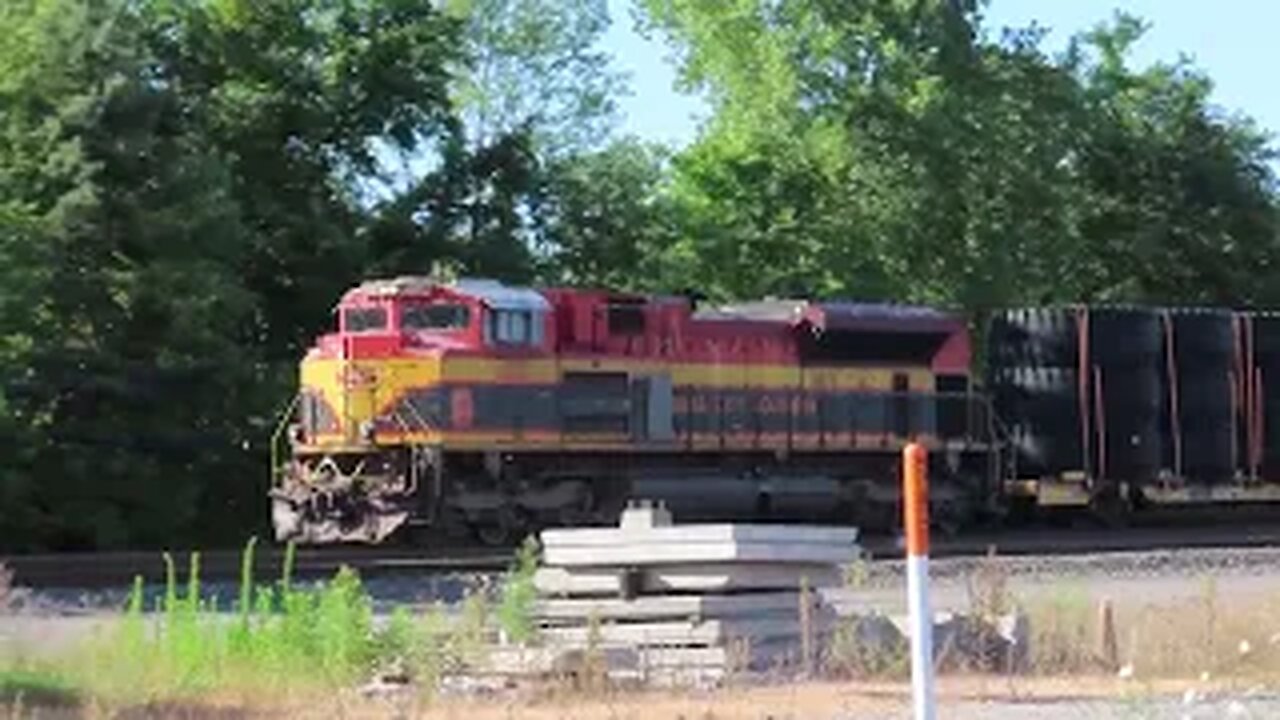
513	327
364	319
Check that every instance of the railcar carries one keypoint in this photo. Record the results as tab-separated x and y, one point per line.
1118	408
480	407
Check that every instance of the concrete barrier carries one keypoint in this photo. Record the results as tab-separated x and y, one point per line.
670	603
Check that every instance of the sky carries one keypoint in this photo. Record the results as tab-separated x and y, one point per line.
1234	41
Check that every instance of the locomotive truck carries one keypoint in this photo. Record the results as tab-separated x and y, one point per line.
471	406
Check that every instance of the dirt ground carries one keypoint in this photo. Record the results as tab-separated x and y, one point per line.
959	699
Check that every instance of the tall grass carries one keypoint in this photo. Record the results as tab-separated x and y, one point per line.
275	637
6	585
520	595
279	637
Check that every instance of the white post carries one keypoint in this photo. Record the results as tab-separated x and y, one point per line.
915	515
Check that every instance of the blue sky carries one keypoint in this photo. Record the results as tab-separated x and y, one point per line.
1233	40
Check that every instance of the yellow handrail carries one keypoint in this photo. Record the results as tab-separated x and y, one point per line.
282	427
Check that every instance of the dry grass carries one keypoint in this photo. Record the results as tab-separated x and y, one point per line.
1158	638
798	701
1196	635
6	586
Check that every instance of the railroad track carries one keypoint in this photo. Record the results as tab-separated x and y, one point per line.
96	570
1056	542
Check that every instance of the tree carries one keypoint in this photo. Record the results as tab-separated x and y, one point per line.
533	67
301	98
896	150
470	211
606	220
178	191
1184	203
534	96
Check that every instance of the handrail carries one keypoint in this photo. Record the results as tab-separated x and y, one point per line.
282	426
414	415
403	402
997	435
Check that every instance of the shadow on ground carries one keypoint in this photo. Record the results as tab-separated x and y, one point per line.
33	695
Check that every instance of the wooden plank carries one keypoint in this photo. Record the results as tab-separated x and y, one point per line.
696	578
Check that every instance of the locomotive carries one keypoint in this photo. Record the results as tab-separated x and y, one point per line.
471	406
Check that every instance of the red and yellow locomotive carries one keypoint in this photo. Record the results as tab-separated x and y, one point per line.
499	409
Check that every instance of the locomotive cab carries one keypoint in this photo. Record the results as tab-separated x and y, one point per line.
381	394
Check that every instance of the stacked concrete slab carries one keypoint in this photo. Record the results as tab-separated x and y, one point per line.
689	603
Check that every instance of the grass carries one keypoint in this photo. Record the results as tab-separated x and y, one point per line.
6	585
1201	631
1063	629
273	640
515	613
277	644
19	687
1200	635
275	637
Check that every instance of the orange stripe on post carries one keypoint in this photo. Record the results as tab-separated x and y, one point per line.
915	516
915	498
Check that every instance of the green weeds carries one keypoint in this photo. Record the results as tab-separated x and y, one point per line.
519	597
278	637
36	687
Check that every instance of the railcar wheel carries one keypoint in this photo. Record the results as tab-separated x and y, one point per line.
951	518
1019	512
1110	509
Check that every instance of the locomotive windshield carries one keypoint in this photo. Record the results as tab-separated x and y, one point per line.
435	317
364	319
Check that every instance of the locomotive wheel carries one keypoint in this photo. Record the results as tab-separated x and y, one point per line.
948	525
499	530
494	534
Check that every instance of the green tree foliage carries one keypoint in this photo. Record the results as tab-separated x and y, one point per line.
299	97
534	96
178	215
1183	196
534	67
606	219
895	149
